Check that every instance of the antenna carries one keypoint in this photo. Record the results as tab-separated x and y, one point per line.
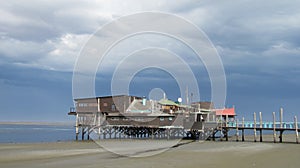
187	94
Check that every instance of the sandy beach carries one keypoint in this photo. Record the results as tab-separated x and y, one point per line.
186	154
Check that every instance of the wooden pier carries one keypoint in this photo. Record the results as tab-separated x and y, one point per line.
123	116
277	127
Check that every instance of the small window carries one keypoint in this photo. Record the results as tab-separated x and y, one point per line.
82	104
113	107
115	119
161	118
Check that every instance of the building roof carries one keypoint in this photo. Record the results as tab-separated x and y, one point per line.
137	106
101	97
225	111
167	102
204	105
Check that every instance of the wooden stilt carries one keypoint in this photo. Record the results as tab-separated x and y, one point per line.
110	132
254	127
226	134
281	117
214	135
104	132
281	125
237	130
296	129
88	135
120	133
243	131
77	127
280	136
82	133
221	129
260	126
152	133
226	126
274	127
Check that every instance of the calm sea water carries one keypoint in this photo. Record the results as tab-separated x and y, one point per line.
19	133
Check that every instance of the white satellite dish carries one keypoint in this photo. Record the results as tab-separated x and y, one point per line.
179	99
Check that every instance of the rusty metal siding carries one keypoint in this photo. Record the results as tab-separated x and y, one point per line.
88	105
108	104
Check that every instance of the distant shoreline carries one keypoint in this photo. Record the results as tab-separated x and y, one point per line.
67	123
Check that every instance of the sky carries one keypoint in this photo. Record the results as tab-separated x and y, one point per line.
40	41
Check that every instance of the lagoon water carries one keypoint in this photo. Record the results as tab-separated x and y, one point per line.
26	133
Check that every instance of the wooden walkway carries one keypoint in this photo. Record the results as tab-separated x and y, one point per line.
260	126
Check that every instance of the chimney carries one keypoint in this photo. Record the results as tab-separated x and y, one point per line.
144	101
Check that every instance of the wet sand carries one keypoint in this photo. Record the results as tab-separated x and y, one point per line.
186	154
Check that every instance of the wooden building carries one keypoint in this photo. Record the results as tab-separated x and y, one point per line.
126	114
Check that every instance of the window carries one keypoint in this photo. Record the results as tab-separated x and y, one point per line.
82	104
161	118
170	118
113	107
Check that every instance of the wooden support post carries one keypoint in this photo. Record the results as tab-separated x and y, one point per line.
243	130
104	132
226	134
254	126
115	132
77	127
226	121
280	136
88	133
82	133
274	127
260	125
110	132
296	129
221	129
281	125
281	117
237	129
152	133
226	128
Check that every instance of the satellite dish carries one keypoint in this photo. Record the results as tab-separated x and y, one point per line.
179	99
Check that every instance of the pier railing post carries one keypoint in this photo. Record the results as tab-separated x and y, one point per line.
260	126
296	129
281	117
274	127
243	130
254	126
281	125
221	129
226	128
237	129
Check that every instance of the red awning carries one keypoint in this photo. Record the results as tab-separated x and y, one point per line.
226	111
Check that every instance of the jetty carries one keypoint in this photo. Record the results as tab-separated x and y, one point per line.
259	126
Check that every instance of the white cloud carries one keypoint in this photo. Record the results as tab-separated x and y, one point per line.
56	54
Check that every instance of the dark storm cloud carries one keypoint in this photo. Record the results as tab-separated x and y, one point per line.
258	42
